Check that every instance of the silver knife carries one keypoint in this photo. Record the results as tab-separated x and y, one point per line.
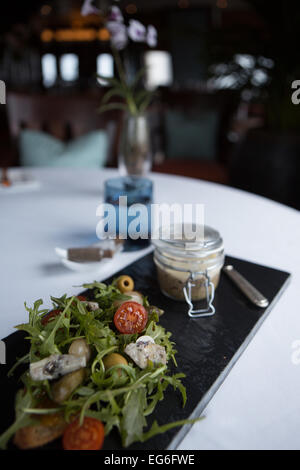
248	289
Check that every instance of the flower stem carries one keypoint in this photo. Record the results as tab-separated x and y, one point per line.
129	98
119	66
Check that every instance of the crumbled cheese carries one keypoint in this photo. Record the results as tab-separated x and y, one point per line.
144	351
145	339
55	366
92	306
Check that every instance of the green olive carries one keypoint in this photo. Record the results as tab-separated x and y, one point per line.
114	359
125	284
64	387
79	347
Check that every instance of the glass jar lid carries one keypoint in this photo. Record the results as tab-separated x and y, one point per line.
189	240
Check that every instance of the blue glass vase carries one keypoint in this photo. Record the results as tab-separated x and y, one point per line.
131	199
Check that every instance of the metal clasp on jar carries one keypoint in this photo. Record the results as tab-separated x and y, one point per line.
187	291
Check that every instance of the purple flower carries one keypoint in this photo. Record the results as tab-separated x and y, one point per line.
115	15
118	34
88	9
136	31
151	36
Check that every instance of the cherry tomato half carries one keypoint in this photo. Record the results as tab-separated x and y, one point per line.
54	313
89	436
130	317
82	298
50	315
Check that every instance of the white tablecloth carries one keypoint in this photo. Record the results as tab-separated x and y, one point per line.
258	405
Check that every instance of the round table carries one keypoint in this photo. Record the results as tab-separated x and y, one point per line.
257	407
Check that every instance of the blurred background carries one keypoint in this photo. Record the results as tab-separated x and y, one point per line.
222	71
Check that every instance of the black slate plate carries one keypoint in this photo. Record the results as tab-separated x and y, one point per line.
207	347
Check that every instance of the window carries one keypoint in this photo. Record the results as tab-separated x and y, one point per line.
49	70
69	67
105	66
159	69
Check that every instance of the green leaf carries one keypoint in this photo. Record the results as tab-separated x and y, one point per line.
21	360
28	328
156	331
48	346
158	396
160	336
145	103
176	383
133	420
41	411
60	302
107	417
110	80
138	77
95	285
23	400
111	107
156	429
141	95
84	391
116	91
33	326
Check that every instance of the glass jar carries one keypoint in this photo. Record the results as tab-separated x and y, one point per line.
189	269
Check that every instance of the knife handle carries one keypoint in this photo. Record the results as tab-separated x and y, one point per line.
248	289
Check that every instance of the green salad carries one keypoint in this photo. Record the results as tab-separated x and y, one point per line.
95	363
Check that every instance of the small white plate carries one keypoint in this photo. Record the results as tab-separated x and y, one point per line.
20	182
